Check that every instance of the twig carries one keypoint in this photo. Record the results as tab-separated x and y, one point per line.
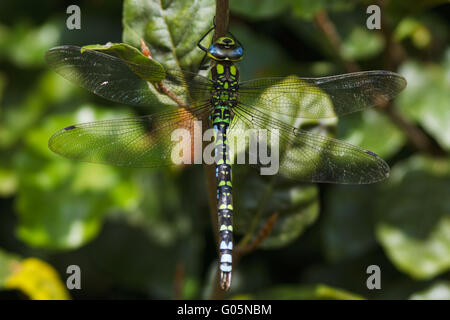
160	86
263	233
324	23
415	135
222	18
178	281
394	54
259	211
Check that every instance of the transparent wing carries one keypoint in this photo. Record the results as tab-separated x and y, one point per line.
348	93
113	79
305	156
135	142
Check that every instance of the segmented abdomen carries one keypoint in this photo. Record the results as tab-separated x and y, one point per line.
224	77
224	192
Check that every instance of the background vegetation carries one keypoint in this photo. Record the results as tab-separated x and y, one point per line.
146	233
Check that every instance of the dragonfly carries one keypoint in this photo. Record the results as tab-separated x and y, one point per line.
228	105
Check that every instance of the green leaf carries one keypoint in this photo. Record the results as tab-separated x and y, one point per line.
159	211
438	291
18	117
25	45
414	29
425	99
361	44
307	292
134	59
170	29
8	181
373	131
61	203
414	217
55	216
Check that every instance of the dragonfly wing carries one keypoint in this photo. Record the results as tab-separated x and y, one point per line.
135	142
113	79
347	93
305	156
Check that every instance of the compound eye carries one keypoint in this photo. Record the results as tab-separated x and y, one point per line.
216	52
236	53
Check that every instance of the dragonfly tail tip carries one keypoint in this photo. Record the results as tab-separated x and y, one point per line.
225	280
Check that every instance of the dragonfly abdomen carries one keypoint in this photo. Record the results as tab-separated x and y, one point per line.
224	76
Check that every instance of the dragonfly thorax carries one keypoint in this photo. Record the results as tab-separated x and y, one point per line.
225	77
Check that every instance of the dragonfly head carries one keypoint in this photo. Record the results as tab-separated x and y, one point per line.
225	48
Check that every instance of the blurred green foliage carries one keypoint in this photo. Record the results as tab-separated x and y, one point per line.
141	233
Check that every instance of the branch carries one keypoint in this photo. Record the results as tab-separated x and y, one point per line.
323	22
263	233
222	18
160	86
256	218
178	281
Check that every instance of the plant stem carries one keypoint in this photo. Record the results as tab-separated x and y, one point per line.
222	18
328	28
179	279
263	233
262	205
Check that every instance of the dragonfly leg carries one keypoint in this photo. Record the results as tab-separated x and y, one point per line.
199	43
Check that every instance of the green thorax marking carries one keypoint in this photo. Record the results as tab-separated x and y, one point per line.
224	76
